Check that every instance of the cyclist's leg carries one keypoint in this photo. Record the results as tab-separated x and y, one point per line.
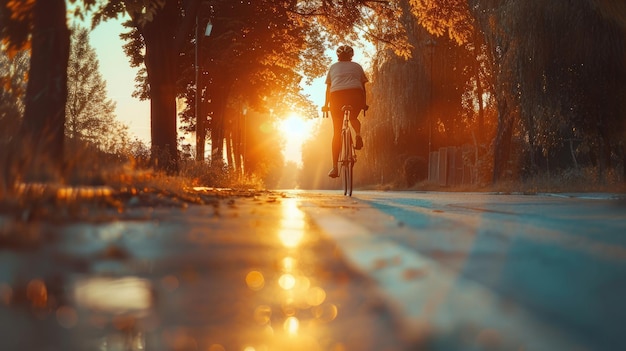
356	124
337	116
357	100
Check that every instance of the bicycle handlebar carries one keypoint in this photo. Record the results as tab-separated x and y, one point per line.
325	111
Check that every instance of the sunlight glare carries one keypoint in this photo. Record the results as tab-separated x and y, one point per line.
292	325
292	224
287	281
296	130
288	264
294	127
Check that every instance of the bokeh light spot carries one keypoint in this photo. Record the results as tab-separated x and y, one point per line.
316	296
326	312
263	314
255	280
37	293
287	281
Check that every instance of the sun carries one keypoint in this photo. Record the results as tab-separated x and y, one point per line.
295	130
294	127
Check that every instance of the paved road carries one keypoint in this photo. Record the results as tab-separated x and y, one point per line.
318	271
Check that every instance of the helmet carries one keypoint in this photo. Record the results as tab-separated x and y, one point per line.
345	50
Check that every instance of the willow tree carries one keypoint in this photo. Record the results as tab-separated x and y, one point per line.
427	101
558	74
560	77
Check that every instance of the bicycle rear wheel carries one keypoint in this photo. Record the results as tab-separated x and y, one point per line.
350	175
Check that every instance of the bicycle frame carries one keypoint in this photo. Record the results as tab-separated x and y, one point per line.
347	157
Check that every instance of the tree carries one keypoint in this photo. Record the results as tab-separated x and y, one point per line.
42	24
159	31
90	113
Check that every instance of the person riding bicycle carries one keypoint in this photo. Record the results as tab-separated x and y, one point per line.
345	85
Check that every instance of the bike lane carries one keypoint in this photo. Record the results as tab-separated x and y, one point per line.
478	271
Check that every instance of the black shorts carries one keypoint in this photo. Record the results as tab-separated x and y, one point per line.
352	97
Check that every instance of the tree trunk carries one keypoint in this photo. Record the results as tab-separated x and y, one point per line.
217	132
161	63
502	144
200	134
201	120
479	88
237	133
219	97
230	155
42	129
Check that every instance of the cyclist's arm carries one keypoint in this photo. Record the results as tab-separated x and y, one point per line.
327	96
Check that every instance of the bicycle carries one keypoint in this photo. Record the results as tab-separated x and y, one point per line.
347	156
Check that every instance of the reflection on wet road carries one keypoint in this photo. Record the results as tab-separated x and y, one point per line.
251	274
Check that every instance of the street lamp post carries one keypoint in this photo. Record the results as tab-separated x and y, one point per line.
200	139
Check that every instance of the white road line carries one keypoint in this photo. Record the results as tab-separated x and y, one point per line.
434	305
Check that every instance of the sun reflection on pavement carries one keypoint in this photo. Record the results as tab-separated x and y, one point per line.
292	225
293	312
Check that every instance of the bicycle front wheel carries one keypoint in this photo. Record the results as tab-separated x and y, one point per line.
346	163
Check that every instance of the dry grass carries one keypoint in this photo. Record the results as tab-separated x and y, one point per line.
93	185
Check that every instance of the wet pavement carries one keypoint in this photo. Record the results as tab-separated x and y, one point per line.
242	273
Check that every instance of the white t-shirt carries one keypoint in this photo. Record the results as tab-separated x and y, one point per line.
344	75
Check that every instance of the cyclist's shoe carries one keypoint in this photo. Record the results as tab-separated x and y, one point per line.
334	173
358	143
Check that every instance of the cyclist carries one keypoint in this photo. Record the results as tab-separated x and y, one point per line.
345	85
